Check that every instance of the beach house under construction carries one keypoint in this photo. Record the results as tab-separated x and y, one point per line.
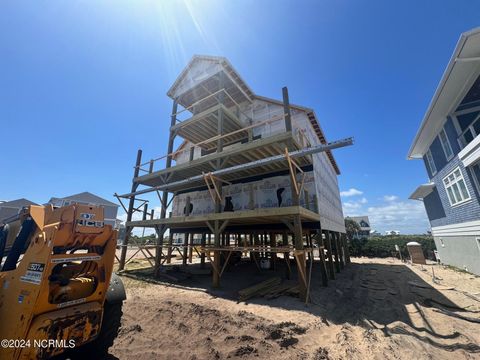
253	175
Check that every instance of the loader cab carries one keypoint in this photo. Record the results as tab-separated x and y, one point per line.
15	237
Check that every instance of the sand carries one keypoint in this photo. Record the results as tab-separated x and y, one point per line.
375	309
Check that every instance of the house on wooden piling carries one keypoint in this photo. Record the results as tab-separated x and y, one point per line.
239	178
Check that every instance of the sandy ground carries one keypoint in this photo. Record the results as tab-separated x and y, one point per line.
375	309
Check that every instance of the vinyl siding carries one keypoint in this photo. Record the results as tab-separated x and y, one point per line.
461	213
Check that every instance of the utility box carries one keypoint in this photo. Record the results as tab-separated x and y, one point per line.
416	253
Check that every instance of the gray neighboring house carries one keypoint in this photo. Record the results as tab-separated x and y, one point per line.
448	142
110	208
364	224
11	208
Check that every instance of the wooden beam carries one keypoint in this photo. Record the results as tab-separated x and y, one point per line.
328	243
347	250
131	204
286	109
335	251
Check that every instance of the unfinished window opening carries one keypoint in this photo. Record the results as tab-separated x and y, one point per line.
456	189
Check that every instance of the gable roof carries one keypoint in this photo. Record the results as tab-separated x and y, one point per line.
359	220
461	72
18	203
89	198
223	61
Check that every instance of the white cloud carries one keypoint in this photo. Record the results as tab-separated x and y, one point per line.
351	205
391	214
407	216
390	198
351	192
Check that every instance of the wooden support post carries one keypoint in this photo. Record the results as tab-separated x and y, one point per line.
308	236
286	255
216	255
286	110
218	230
168	164
169	250
301	259
128	229
185	248
273	255
190	250
160	230
297	227
342	251
256	255
347	251
335	251
202	255
328	242
323	265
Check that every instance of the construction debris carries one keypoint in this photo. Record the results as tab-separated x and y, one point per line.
270	289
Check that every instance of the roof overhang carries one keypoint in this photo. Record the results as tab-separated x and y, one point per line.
422	191
461	72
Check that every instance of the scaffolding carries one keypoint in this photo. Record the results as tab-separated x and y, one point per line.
231	153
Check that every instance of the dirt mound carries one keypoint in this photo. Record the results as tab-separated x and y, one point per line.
369	311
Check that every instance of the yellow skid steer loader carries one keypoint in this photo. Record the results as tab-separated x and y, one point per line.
57	291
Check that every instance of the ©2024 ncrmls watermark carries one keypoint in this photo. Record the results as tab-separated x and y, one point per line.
37	343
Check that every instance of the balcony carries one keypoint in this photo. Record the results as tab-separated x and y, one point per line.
470	154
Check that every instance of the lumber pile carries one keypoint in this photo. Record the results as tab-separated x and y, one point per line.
270	289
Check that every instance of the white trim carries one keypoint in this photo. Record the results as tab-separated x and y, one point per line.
470	153
455	82
467	110
449	157
433	169
422	191
474	176
470	228
455	181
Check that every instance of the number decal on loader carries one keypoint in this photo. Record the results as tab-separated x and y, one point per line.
34	273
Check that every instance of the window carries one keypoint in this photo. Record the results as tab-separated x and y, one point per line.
447	149
431	163
456	188
470	126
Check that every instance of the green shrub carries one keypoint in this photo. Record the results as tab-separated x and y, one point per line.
384	246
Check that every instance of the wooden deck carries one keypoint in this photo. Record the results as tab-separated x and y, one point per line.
236	155
204	126
245	217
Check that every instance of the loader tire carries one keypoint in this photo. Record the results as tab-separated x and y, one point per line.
112	315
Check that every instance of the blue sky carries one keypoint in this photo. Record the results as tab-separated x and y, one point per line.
83	85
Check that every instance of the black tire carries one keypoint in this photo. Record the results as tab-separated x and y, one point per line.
98	348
